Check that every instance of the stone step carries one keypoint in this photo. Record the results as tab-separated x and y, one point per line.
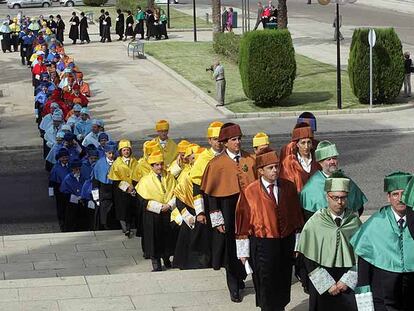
202	290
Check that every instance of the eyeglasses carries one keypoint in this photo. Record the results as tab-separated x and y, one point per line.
338	198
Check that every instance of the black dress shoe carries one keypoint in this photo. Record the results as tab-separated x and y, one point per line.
235	297
156	265
167	263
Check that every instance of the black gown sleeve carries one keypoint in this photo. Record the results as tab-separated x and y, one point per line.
364	272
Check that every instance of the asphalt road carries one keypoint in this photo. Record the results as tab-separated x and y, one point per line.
26	208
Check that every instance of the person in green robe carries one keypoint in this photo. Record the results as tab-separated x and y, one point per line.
313	196
385	251
139	26
326	261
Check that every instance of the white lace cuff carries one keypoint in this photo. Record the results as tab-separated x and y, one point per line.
199	205
350	279
95	194
297	238
216	219
154	206
175	169
321	280
364	299
172	203
188	218
243	248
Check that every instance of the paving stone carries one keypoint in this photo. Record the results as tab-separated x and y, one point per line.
185	285
144	267
136	253
44	305
31	258
108	262
59	264
100	246
24	266
73	255
47	236
34	274
53	292
9	294
96	304
52	249
55	281
26	243
21	250
133	243
63	240
126	288
82	271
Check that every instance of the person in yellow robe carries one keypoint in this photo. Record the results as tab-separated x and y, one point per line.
180	162
143	167
156	195
197	170
260	142
193	249
168	146
121	173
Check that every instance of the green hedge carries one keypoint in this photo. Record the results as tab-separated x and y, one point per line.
267	66
388	66
95	2
132	5
227	44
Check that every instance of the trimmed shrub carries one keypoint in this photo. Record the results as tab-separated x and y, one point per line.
95	2
388	66
132	5
227	44
267	66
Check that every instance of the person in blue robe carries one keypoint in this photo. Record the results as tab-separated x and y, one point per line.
103	190
51	156
76	214
74	149
84	126
57	175
88	164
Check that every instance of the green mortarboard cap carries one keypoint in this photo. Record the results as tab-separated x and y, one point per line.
408	195
337	182
396	181
325	150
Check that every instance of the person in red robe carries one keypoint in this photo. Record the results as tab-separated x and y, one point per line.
268	215
37	70
84	87
298	165
75	94
55	97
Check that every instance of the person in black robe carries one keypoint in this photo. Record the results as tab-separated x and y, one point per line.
107	23
139	27
60	28
51	24
149	21
129	26
83	27
101	19
120	24
74	28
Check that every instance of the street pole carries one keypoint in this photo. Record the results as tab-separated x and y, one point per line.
370	76
194	22
248	15
242	13
338	61
168	14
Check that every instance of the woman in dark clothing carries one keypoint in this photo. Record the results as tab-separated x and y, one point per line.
120	24
74	28
101	26
149	20
84	36
60	28
129	26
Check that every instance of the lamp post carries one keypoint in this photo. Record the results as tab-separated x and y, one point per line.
194	21
337	3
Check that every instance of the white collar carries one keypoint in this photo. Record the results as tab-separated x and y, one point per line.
335	216
323	173
398	217
233	155
126	160
266	184
300	158
109	161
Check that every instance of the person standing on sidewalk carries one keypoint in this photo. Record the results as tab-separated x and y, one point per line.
408	66
74	28
259	15
229	22
107	23
218	76
224	178
129	26
101	20
120	24
139	26
83	28
60	29
341	37
268	215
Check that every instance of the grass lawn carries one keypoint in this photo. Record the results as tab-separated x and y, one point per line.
178	19
314	88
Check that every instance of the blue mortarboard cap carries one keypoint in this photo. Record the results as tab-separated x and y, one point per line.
93	153
60	134
75	164
54	105
77	107
53	46
57	115
90	147
110	146
63	152
67	70
69	137
103	136
84	110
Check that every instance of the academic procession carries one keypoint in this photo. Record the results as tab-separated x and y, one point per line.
271	213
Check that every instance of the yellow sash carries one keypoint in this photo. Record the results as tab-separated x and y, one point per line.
150	187
169	152
200	165
184	189
121	172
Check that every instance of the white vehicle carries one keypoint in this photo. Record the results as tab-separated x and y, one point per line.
165	1
71	2
17	4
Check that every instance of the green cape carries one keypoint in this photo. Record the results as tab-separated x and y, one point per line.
140	16
380	242
325	243
313	195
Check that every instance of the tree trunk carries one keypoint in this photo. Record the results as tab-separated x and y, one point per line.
282	15
150	4
216	15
